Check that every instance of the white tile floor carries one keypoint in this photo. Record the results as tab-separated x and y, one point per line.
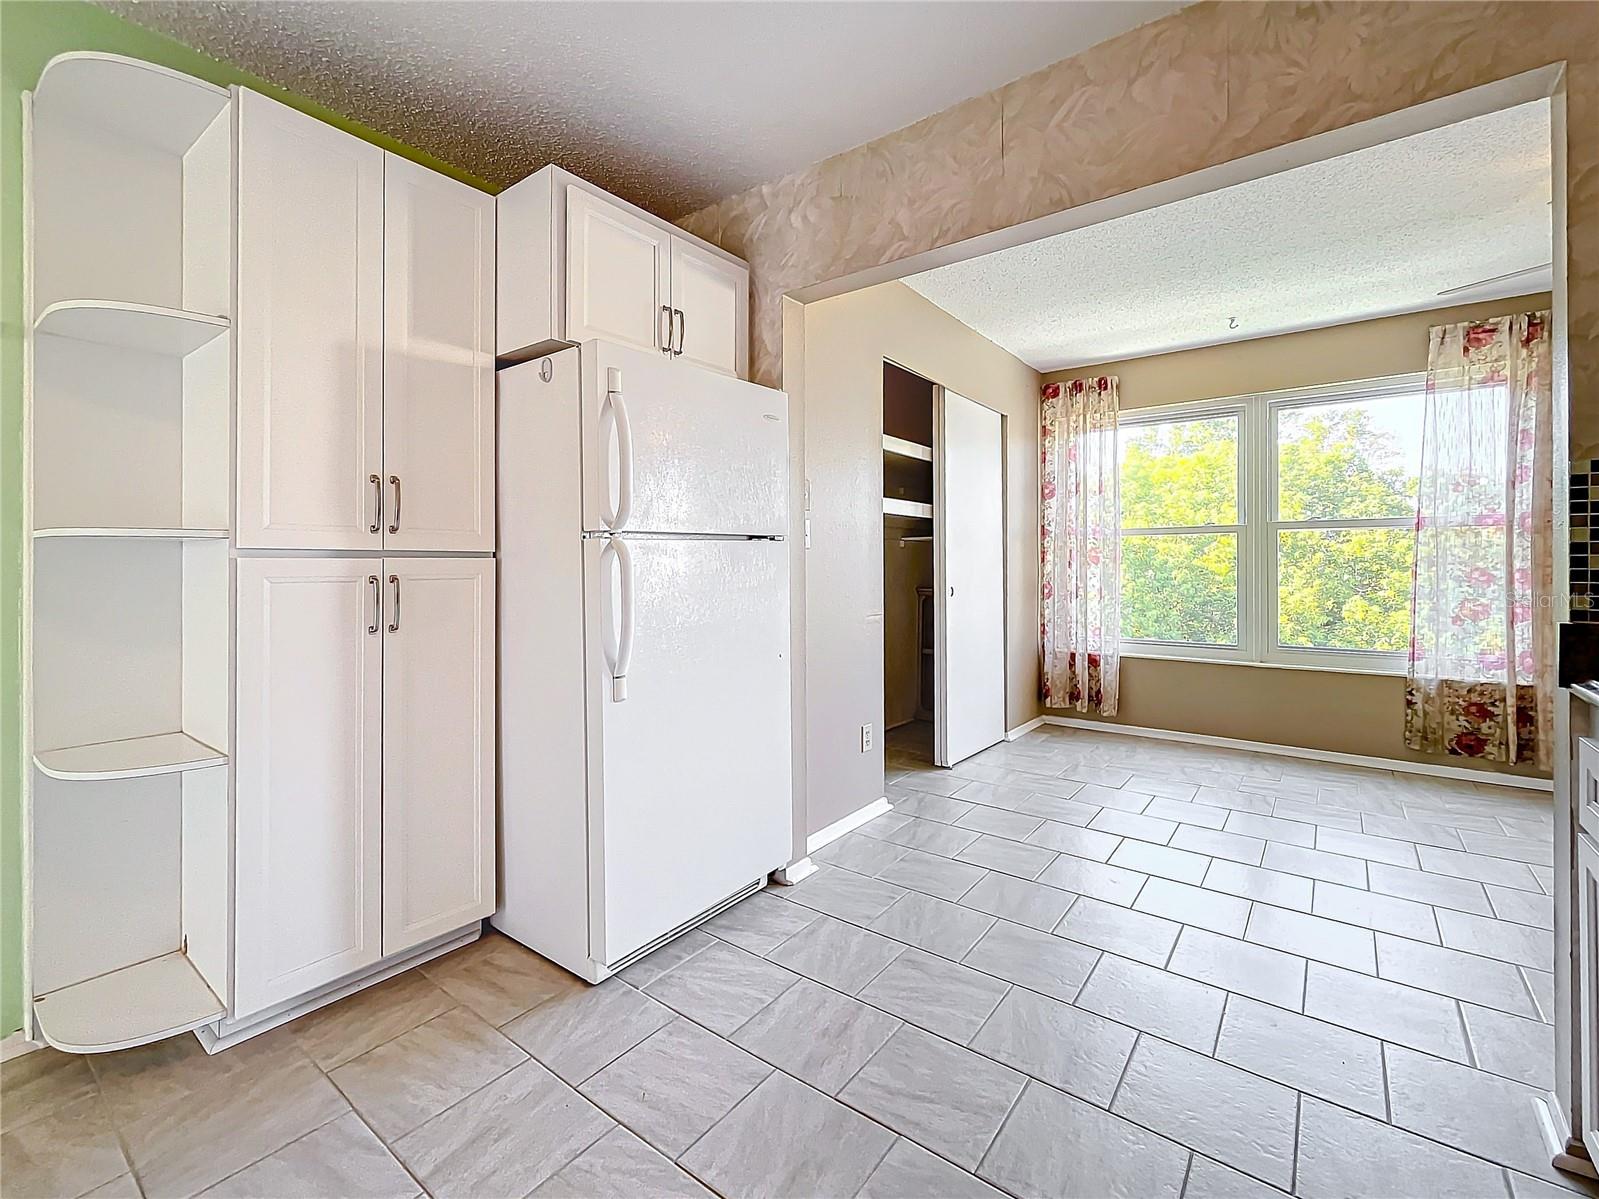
1077	965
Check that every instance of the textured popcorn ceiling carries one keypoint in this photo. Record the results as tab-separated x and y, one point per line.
672	105
1373	233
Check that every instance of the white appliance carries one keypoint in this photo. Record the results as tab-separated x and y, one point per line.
644	650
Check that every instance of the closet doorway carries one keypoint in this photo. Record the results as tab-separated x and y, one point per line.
943	570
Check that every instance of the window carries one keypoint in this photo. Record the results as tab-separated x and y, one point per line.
1274	528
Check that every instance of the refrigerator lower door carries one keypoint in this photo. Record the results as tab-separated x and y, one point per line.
689	771
672	448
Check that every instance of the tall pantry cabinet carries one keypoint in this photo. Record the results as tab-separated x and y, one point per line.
259	681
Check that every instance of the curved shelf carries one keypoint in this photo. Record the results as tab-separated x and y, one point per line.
146	327
141	101
137	757
135	1005
136	534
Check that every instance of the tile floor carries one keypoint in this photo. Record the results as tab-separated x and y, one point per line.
1077	965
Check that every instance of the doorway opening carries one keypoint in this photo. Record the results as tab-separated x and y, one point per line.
909	533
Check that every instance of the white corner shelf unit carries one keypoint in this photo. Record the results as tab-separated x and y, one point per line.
128	235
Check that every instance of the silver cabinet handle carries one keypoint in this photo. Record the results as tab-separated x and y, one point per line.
377	504
394	621
394	521
682	326
377	605
665	335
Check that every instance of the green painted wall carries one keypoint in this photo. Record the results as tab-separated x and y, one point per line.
31	33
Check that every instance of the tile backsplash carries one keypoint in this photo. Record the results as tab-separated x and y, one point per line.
1584	569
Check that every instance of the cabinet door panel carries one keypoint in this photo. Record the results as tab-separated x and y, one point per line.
616	273
438	747
310	331
438	362
1585	989
307	765
1587	798
713	299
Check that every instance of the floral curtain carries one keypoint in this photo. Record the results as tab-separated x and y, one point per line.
1080	535
1481	678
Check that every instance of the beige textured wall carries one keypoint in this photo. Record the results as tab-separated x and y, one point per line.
1315	709
1206	85
846	340
1209	84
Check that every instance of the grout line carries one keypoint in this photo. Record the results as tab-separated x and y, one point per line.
1299	1123
1387	1096
1188	1173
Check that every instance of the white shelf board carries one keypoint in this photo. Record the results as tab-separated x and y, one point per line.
907	449
137	534
145	103
146	327
893	507
164	753
132	1006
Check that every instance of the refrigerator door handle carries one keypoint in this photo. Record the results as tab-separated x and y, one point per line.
614	409
618	647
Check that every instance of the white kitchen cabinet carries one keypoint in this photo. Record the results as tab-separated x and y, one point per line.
438	362
309	804
712	300
1586	989
575	264
310	332
438	747
1586	802
618	274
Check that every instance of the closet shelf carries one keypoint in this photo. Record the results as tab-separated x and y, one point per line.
140	101
907	449
146	327
137	534
893	507
132	1006
164	753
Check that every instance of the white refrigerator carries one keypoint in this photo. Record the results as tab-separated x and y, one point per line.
645	773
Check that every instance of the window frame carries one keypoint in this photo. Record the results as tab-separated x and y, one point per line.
1258	526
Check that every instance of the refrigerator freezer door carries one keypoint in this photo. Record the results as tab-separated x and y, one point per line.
689	762
673	448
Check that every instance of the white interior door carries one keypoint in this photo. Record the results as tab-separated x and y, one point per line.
438	747
969	577
438	362
691	786
616	273
308	776
309	333
671	449
712	298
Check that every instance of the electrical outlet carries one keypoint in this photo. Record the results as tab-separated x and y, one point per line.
866	738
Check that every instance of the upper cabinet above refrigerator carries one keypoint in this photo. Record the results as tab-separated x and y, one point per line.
365	355
577	264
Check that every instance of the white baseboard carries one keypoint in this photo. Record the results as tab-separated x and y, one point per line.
1024	729
848	824
17	1044
795	872
1295	751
